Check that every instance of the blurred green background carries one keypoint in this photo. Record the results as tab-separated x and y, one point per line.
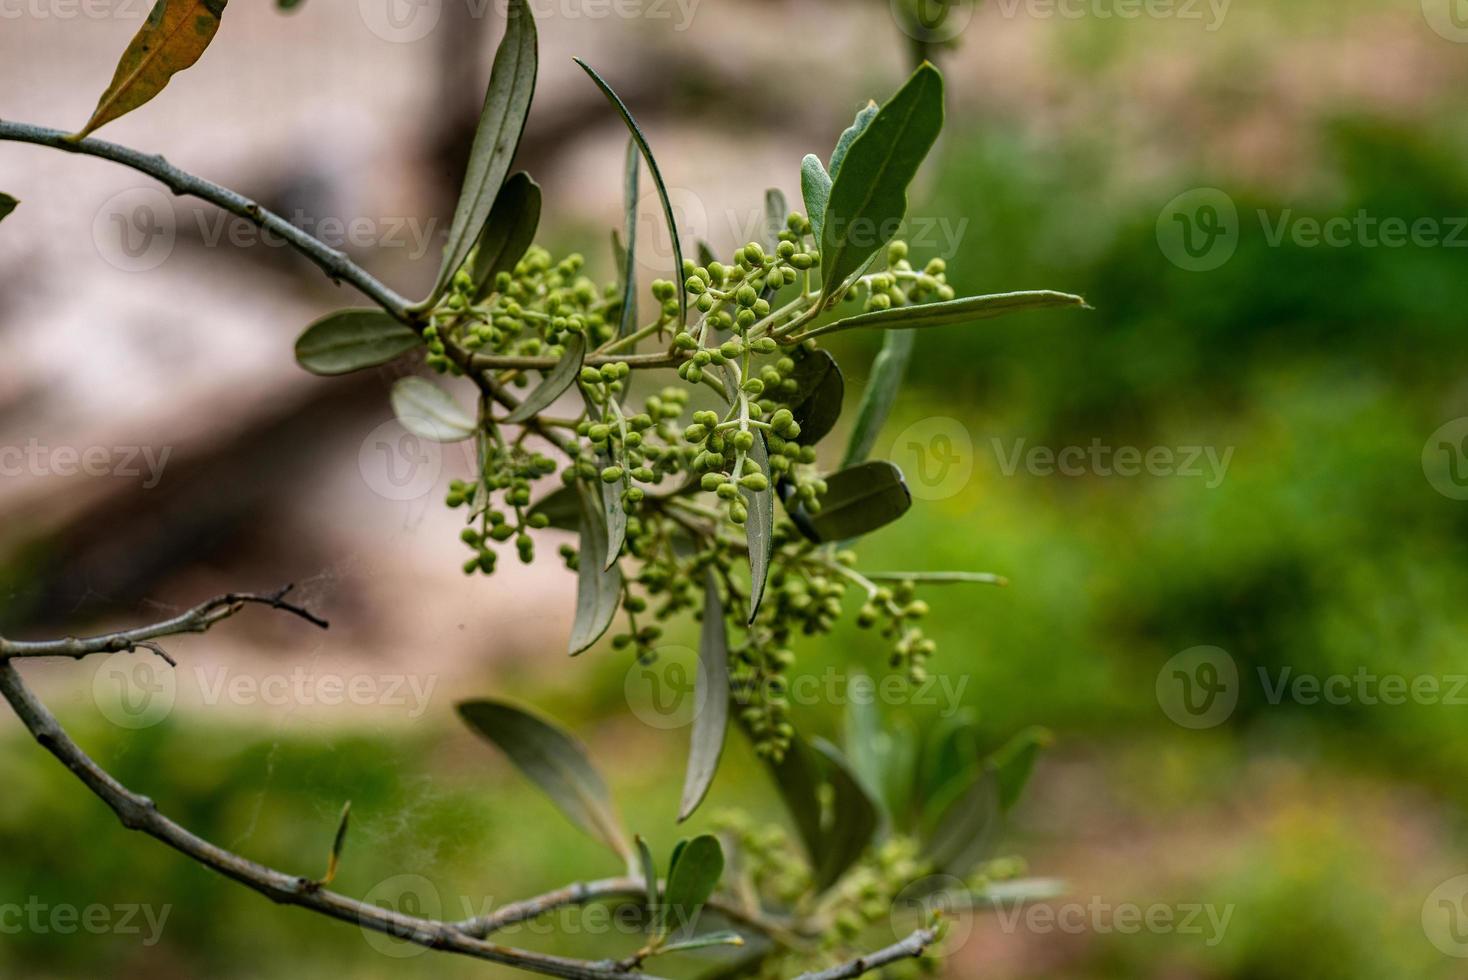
1324	549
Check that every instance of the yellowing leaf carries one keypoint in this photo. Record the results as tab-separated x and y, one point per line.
172	38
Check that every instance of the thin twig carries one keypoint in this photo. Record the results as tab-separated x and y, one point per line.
197	620
911	947
331	261
141	814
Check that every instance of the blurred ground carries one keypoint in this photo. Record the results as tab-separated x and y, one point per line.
1082	150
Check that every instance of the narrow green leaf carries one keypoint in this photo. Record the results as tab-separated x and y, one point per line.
508	232
501	123
555	383
287	5
649	874
888	369
939	578
954	311
350	340
951	750
706	255
556	762
628	322
614	517
858	500
173	38
854	818
964	822
777	211
819	394
657	179
562	507
7	205
1014	762
727	937
711	695
759	527
1011	893
333	863
427	411
815	188
798	777
869	192
691	880
864	119
867	745
598	588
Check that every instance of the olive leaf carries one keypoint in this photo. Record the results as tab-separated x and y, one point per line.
858	500
706	255
869	192
649	874
954	311
556	762
711	696
598	587
613	516
820	391
7	205
427	411
172	38
888	369
333	862
853	822
555	383
868	747
863	119
497	137
692	878
508	231
815	189
963	822
759	527
834	836
726	937
1014	762
777	211
939	578
657	179
628	321
561	507
350	340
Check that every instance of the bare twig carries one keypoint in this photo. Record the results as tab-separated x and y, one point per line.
911	947
333	262
197	620
139	813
